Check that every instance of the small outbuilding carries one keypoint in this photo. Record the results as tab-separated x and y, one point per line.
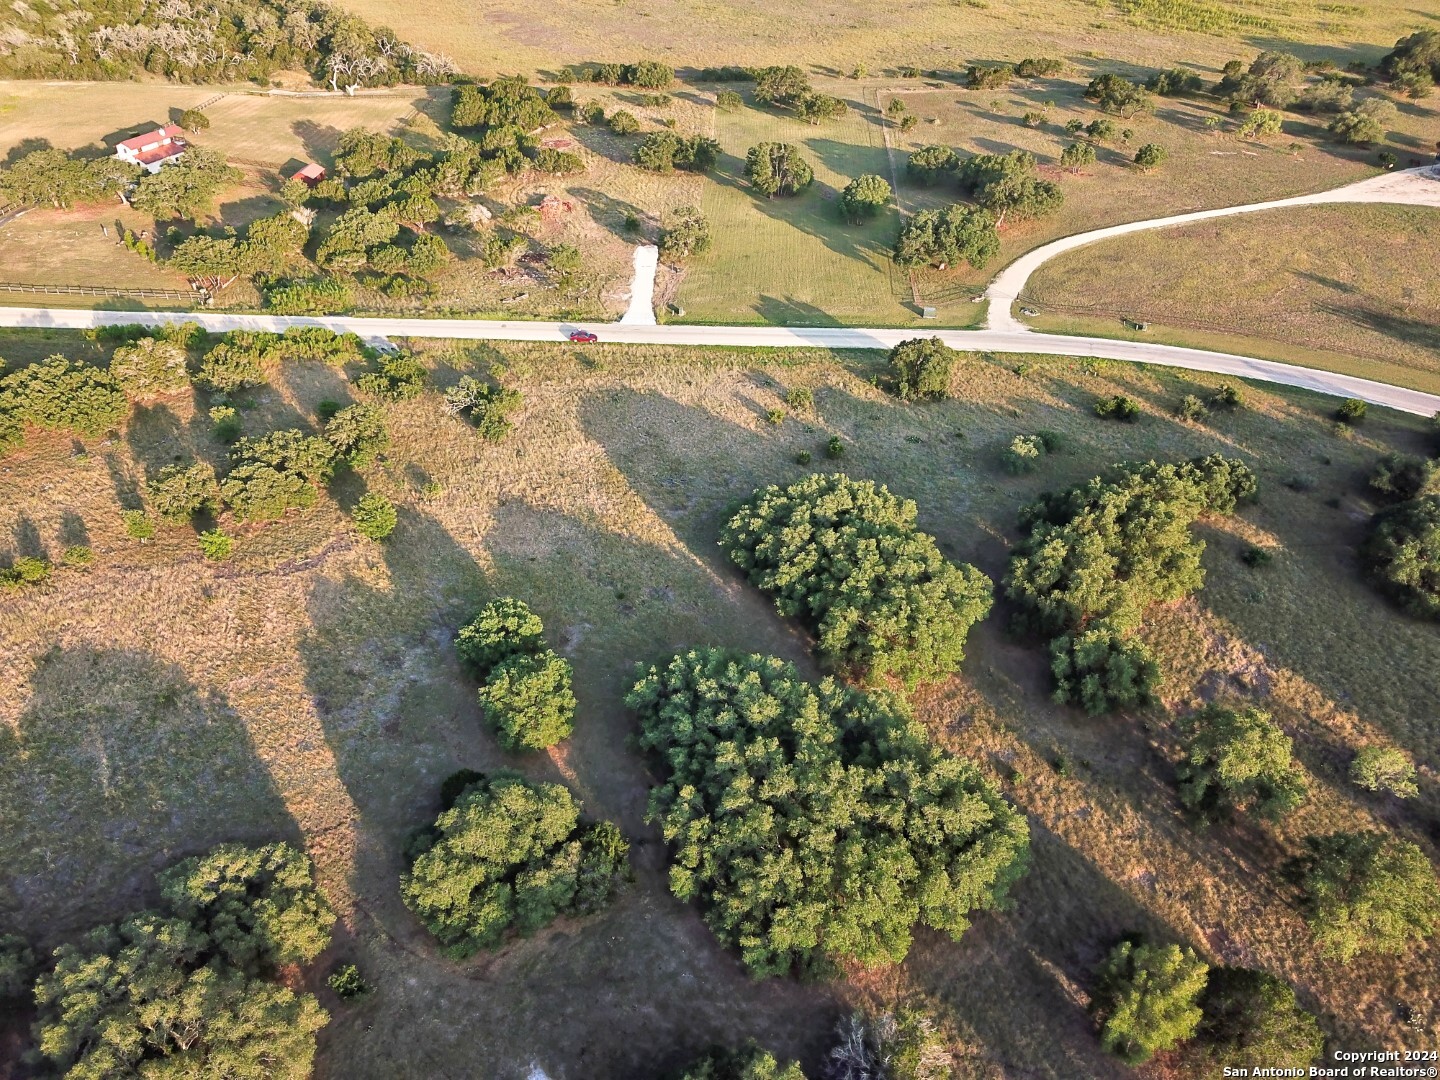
309	174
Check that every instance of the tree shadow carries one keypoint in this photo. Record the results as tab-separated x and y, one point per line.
614	214
117	765
73	531
25	146
319	140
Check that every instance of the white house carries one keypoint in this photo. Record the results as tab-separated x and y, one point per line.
153	149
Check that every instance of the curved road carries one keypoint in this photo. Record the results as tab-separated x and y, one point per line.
1003	334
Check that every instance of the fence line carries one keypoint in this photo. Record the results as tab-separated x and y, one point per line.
96	290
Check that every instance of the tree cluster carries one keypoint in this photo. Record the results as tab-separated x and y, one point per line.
687	234
1006	185
948	237
647	74
789	87
509	855
816	823
665	151
52	177
1096	557
190	989
486	405
525	689
1116	94
777	169
845	558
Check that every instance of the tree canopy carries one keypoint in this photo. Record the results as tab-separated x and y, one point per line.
1249	1016
509	855
1238	759
62	394
1147	999
1096	557
1367	892
845	558
816	822
864	197
949	236
750	1063
921	368
186	991
525	691
777	169
1006	185
1402	555
1116	94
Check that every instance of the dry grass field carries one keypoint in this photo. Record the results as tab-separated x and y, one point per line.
509	36
156	703
1338	279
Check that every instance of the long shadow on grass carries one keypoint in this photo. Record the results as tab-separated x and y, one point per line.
607	996
116	767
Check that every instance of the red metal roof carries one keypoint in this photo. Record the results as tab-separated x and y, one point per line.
150	138
160	153
311	171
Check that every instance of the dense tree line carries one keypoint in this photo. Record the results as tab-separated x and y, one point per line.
508	855
190	988
1402	555
223	41
1094	558
815	823
845	558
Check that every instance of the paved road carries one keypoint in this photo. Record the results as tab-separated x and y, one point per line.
1414	187
1004	334
825	337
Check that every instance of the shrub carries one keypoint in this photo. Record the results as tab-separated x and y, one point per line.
800	399
1256	557
138	525
834	448
663	151
1384	768
77	556
921	368
194	120
17	969
1102	130
1023	453
150	368
1249	1016
226	426
931	164
1116	94
59	394
1260	124
216	545
1077	155
833	863
844	556
1402	555
525	687
24	570
347	982
1151	156
505	627
864	197
648	75
750	1063
1191	408
904	1045
1405	476
1102	670
1363	124
179	492
1096	557
981	77
276	473
1238	760
322	295
487	407
816	108
242	359
623	123
1226	397
1117	407
687	234
528	701
357	434
400	376
1174	83
777	169
1366	892
1037	67
1147	998
729	100
510	855
374	515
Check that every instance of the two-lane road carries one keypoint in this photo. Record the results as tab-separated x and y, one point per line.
1003	333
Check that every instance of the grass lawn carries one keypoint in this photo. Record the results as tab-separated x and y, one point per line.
796	260
157	703
1342	280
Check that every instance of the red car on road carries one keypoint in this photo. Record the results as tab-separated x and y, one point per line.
583	337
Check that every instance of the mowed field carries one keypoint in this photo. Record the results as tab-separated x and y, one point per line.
507	35
1350	280
157	703
796	259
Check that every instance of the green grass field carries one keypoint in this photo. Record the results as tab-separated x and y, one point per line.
157	703
1317	282
796	260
